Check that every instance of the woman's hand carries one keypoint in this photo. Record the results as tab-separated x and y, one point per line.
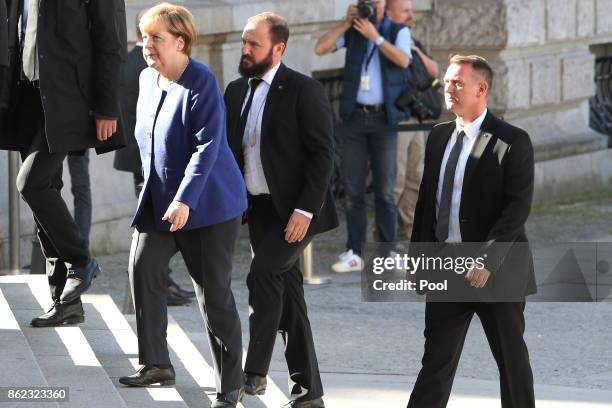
177	214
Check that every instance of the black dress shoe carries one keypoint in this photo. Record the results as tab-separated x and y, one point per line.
79	280
149	375
176	290
60	314
254	384
228	399
315	403
174	300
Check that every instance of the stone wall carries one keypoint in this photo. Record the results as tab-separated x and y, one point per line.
541	51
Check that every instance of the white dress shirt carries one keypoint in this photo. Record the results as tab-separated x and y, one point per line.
254	176
471	134
24	24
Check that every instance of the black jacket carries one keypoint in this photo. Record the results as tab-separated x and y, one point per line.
9	48
81	45
495	200
4	43
296	145
128	158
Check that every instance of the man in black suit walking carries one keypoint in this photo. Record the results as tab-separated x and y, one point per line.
61	88
477	187
280	129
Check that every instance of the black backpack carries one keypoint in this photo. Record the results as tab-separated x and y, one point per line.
422	95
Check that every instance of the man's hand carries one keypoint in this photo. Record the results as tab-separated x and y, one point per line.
296	227
351	13
366	28
105	128
177	214
478	277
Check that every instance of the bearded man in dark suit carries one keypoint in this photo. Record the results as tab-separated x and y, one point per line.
281	132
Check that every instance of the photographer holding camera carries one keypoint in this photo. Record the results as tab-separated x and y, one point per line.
377	55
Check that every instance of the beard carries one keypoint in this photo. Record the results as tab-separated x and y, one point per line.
257	69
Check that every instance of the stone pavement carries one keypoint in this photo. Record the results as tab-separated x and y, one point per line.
369	353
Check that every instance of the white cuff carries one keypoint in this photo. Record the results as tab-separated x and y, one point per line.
306	213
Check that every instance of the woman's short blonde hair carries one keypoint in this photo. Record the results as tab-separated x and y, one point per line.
176	19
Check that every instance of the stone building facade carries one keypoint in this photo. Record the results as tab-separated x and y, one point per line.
543	52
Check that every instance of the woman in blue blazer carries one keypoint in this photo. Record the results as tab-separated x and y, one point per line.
192	201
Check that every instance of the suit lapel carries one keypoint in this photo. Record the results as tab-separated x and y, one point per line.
484	138
236	108
272	100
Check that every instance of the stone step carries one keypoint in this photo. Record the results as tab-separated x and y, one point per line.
63	353
190	355
105	347
115	345
19	366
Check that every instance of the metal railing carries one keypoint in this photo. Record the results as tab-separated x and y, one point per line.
600	117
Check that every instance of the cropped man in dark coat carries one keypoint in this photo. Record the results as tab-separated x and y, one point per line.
477	189
280	130
128	158
60	96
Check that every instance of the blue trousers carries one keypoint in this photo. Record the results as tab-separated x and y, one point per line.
360	146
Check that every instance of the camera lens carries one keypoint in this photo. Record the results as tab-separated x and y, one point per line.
366	9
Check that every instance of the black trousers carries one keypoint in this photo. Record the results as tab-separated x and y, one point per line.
276	300
208	254
446	325
39	181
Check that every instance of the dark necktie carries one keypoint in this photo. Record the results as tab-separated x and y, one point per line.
446	197
253	83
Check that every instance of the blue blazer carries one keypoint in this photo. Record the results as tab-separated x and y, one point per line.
182	139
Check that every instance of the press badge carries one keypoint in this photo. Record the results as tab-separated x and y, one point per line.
365	83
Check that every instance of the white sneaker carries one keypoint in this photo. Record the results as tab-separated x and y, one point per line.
348	262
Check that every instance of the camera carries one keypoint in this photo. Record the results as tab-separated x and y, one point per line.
408	101
367	9
423	100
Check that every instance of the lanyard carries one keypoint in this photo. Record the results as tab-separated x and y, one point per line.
369	59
